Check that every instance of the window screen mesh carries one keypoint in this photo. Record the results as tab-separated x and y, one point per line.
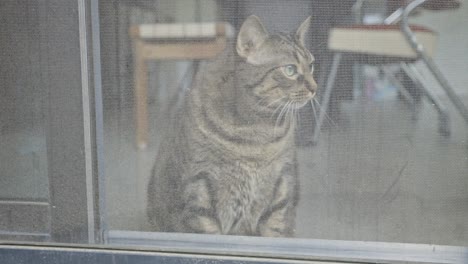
215	121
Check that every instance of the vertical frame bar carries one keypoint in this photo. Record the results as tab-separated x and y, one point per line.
65	139
87	126
92	116
75	123
99	122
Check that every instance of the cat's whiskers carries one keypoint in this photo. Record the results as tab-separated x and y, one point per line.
275	101
296	114
293	112
330	121
280	115
289	113
261	101
283	111
276	110
313	108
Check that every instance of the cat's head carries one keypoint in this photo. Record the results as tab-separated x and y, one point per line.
287	66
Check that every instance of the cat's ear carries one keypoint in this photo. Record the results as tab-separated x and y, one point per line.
251	36
302	31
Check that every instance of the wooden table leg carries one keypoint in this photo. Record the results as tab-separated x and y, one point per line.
141	96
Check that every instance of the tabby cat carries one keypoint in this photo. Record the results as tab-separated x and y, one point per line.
228	164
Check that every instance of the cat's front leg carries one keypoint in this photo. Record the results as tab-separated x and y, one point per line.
199	211
278	220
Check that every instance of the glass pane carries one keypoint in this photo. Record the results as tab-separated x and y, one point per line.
185	126
23	152
42	153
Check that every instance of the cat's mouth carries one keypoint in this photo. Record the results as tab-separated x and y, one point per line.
301	98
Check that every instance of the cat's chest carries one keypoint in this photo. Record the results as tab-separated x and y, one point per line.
246	191
251	185
253	178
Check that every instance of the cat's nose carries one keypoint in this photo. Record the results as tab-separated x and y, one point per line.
311	85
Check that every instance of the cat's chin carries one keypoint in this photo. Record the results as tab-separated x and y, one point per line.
301	104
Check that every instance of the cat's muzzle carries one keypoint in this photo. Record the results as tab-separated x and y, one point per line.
301	98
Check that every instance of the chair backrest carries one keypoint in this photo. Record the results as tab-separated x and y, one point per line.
380	40
175	31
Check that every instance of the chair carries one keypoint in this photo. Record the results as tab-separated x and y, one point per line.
153	42
407	45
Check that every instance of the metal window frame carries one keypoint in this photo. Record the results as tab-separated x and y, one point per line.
290	248
74	125
59	254
75	152
71	83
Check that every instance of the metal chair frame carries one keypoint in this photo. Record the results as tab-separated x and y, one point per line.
401	15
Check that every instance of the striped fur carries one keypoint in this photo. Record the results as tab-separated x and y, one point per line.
228	165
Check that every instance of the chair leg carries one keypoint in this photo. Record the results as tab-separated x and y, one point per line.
326	96
141	97
444	119
419	49
401	88
446	86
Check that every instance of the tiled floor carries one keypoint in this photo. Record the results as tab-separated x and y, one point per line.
376	175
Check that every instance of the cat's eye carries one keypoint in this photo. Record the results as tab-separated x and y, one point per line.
311	66
290	70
